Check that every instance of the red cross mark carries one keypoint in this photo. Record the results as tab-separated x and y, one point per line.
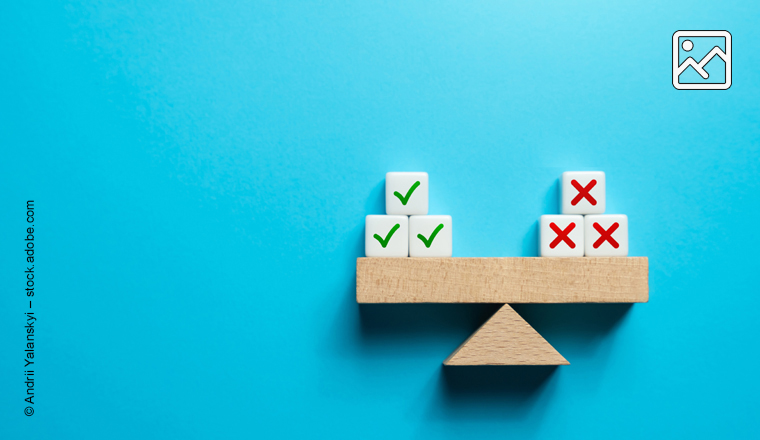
583	192
562	235
606	235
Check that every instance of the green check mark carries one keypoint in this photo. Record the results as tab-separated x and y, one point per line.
405	199
384	243
429	241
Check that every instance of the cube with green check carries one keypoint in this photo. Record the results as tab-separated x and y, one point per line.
430	236
386	236
406	193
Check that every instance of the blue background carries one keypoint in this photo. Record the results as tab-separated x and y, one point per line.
201	172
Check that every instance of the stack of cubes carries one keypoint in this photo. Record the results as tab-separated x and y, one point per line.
407	230
583	228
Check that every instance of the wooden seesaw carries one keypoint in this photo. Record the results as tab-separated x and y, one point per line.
506	338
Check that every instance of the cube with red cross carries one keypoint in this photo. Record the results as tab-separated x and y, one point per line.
583	192
606	235
562	235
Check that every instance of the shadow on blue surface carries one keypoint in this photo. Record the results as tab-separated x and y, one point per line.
460	381
388	320
577	320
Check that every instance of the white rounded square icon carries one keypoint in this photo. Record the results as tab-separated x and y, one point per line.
430	236
702	60
561	235
386	236
406	193
583	192
606	235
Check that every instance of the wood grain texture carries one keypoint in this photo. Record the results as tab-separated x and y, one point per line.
502	280
506	339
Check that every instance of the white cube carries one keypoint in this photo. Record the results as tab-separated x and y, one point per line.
430	236
606	235
386	236
561	235
583	192
406	193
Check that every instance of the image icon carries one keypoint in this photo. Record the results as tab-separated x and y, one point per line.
702	60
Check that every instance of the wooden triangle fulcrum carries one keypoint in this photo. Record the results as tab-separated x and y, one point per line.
506	339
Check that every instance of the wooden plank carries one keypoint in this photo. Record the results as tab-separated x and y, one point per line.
506	339
502	280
